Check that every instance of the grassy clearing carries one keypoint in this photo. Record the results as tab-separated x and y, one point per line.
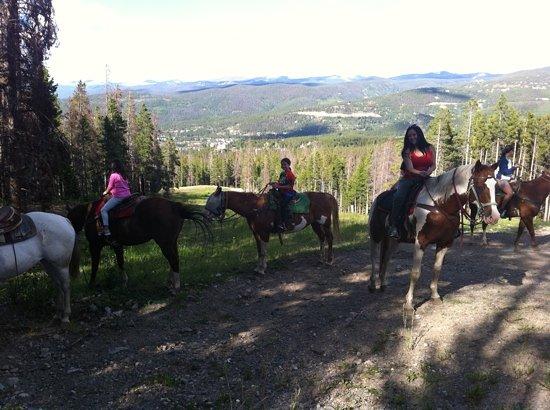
233	252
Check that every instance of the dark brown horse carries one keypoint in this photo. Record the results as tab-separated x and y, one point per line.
154	218
323	212
524	204
435	220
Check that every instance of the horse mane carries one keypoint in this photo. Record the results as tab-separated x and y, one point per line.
441	187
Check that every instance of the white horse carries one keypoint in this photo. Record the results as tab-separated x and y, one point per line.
55	247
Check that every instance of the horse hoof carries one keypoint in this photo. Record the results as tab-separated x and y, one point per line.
65	321
329	263
383	288
437	300
259	271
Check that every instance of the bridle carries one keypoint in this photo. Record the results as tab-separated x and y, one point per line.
219	211
472	188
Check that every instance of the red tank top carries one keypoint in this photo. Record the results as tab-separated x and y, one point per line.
420	162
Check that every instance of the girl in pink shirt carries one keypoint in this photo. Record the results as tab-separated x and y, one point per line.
118	188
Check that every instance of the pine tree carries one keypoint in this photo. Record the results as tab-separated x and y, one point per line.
448	150
113	129
171	161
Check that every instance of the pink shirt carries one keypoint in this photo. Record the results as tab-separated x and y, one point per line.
118	186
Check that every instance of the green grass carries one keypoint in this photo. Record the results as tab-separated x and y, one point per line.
232	252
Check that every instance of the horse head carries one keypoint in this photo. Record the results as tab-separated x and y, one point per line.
77	216
215	204
482	191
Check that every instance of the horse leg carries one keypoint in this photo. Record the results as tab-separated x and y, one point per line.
473	211
95	253
531	229
119	252
261	246
61	279
321	235
484	236
521	227
439	256
388	247
330	240
413	278
374	252
170	252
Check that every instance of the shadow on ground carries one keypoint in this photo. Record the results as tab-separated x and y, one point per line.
308	334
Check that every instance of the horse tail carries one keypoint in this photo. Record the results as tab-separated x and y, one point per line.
74	264
335	218
198	218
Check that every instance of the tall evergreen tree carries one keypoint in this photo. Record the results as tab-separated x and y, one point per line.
113	129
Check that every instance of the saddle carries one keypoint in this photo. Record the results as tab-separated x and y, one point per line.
385	203
385	200
298	205
15	227
122	211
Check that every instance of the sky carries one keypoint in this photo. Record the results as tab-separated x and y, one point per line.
191	40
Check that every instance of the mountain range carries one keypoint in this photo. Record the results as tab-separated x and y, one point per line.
281	107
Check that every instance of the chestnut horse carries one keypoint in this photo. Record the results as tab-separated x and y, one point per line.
323	211
435	220
525	204
154	218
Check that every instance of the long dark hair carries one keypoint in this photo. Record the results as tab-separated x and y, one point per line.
116	166
421	143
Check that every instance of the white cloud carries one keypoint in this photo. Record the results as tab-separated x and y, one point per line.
298	39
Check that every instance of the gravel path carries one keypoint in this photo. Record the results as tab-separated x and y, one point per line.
306	335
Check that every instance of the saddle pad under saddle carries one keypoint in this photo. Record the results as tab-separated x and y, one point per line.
299	205
24	231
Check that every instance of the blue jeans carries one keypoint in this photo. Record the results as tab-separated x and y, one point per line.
111	203
404	186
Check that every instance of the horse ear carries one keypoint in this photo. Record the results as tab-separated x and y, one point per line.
477	165
218	190
494	166
68	207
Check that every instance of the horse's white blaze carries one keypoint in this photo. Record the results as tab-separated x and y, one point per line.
300	226
495	215
322	219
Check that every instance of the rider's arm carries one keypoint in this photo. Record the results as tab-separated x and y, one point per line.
110	184
432	167
408	163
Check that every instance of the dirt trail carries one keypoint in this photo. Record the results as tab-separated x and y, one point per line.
305	335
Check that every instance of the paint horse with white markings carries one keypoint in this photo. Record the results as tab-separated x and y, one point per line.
434	220
322	216
27	240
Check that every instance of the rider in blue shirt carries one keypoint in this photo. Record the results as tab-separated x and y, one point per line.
504	175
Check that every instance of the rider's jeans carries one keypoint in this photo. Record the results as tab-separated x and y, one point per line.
111	203
404	186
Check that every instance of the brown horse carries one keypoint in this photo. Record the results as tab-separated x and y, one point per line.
525	204
154	218
323	211
435	220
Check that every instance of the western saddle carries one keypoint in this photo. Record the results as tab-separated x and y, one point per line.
15	227
10	219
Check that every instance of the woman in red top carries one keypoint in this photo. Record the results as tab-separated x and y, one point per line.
285	188
418	163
